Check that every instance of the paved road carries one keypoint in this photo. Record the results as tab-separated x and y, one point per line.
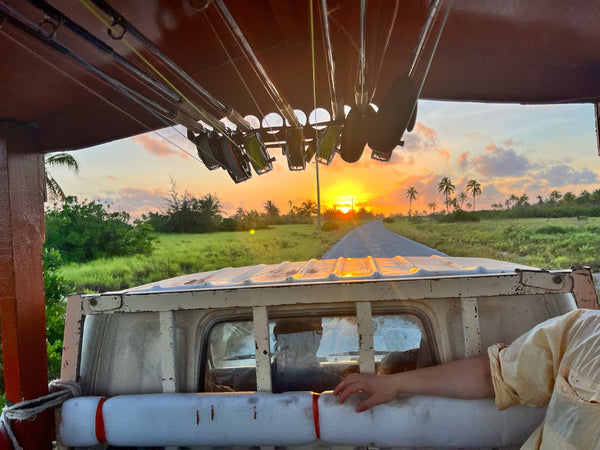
373	239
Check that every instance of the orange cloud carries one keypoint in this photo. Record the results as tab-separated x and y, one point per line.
425	131
160	148
444	153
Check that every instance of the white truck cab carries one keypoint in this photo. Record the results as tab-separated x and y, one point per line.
240	356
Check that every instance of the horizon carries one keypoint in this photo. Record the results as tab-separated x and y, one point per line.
509	149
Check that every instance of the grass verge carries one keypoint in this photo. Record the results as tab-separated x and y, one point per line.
547	243
179	254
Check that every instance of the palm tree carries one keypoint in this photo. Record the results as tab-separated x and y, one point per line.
475	189
211	205
411	193
454	203
58	159
432	207
271	209
512	200
307	208
523	201
447	188
462	198
555	196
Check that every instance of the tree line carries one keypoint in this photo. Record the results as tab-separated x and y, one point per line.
556	204
447	188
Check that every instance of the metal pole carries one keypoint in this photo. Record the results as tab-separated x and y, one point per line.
314	80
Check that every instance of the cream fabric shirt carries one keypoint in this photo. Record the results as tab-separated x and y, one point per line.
557	364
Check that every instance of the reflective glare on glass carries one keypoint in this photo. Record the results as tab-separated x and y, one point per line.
319	116
253	121
300	116
272	120
346	110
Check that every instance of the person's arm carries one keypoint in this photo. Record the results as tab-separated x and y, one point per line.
467	378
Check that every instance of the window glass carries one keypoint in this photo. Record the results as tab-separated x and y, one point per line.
400	343
311	353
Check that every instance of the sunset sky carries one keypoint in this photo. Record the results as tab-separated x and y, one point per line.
508	149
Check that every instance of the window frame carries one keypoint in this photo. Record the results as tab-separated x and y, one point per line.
319	310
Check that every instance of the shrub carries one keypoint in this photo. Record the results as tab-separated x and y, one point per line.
87	230
459	216
388	220
330	226
552	229
55	290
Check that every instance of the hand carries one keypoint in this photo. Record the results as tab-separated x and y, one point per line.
380	389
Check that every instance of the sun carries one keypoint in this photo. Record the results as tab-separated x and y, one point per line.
344	208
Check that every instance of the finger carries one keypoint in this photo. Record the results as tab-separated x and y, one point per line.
366	404
345	382
347	392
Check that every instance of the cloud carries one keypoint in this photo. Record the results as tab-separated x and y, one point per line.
512	143
563	175
112	178
399	158
498	161
134	200
444	153
464	161
421	138
160	148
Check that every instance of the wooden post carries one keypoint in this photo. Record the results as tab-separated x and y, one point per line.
22	312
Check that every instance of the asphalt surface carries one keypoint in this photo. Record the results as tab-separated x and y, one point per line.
373	239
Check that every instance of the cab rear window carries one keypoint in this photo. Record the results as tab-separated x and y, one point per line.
311	353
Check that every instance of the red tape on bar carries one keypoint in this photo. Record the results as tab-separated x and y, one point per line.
100	431
315	397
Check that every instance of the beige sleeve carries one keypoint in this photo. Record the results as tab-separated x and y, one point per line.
505	395
525	371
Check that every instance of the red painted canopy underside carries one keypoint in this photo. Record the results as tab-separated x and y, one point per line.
526	51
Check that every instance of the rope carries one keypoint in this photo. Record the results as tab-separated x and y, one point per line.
60	391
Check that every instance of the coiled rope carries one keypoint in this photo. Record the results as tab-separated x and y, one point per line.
59	391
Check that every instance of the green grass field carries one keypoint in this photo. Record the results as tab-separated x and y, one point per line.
546	243
179	254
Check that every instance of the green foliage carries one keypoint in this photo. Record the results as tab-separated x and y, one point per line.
83	231
178	254
55	290
330	226
552	229
388	220
459	216
188	214
534	242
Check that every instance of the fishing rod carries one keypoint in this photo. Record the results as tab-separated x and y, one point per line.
397	112
245	136
354	133
100	45
226	111
337	111
282	105
20	22
228	157
294	138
